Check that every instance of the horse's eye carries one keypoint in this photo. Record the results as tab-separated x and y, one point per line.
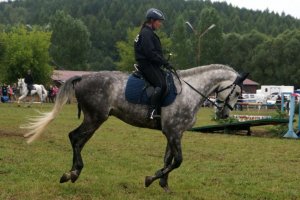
237	94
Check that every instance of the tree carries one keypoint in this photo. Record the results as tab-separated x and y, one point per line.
70	43
126	51
231	50
182	46
211	43
25	49
276	60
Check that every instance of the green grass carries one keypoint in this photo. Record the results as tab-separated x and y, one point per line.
119	156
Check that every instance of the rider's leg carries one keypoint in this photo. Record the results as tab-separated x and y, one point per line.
155	76
155	103
29	90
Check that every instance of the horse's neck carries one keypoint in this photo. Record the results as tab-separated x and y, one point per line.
24	87
208	80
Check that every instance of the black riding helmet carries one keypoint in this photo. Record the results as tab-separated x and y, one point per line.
155	14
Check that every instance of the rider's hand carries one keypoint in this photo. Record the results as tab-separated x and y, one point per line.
168	66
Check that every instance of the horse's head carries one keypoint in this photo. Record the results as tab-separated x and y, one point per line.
21	83
228	94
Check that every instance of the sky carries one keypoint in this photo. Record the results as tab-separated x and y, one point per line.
291	7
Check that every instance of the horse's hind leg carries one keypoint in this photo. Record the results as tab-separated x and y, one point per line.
78	138
31	101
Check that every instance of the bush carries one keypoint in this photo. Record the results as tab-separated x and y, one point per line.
279	130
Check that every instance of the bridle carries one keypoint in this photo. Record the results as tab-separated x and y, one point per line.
216	104
21	85
226	101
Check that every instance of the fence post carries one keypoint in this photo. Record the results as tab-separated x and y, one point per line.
282	102
291	133
298	119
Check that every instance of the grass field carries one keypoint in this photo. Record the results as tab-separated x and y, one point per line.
119	156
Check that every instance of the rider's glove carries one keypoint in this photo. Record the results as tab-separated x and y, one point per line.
168	66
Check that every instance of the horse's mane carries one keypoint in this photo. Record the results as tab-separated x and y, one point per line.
202	69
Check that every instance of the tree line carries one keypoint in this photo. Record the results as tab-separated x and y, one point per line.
98	35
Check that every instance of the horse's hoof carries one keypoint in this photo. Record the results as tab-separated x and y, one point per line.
167	189
74	176
65	177
148	180
163	182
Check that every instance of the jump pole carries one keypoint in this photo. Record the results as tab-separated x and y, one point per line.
291	133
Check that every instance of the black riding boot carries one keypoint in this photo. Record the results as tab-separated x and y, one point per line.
29	92
154	110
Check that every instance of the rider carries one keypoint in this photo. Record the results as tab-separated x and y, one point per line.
149	56
29	81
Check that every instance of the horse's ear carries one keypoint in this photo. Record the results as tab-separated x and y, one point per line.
240	78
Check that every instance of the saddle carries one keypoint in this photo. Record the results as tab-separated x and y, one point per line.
139	91
31	87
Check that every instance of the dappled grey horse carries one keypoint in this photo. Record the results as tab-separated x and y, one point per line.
102	94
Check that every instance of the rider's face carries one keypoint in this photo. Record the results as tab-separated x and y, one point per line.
157	24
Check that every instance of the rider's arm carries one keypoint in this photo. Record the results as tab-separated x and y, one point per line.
149	50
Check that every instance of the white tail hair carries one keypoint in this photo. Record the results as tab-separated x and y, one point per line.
37	125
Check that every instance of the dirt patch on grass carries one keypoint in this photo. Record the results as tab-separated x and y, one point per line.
4	133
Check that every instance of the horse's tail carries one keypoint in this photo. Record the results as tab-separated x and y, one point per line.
38	124
44	93
44	90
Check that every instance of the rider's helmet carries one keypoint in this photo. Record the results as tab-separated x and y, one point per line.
155	14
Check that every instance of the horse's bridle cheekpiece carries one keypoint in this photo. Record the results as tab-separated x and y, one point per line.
225	102
238	81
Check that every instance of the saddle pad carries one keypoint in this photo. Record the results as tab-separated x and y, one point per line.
135	91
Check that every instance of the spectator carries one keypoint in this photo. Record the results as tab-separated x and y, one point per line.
50	94
15	91
278	102
4	90
10	92
54	91
4	97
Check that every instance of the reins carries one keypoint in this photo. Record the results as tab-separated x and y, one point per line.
173	71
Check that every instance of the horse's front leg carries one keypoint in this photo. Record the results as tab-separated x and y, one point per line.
176	152
20	99
163	182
